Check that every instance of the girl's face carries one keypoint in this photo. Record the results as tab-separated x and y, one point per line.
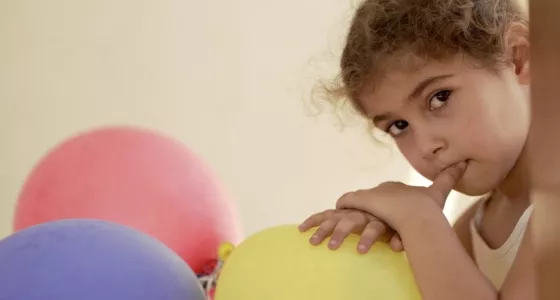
448	112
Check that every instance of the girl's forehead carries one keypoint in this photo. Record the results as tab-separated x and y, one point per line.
411	70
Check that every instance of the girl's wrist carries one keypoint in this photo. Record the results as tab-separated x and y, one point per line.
422	217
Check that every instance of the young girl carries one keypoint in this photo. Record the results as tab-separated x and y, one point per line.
449	81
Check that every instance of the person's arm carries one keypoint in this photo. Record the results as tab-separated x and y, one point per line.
441	266
544	144
444	270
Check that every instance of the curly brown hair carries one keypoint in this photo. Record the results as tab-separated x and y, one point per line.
402	33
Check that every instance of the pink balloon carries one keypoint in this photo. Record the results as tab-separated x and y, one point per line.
136	178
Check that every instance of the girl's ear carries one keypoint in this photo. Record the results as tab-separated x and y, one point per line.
517	43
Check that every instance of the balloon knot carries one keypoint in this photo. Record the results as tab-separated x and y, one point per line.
209	278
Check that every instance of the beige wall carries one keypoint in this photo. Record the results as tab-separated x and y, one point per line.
225	77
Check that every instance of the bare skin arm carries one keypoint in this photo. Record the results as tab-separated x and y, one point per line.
442	267
544	146
458	262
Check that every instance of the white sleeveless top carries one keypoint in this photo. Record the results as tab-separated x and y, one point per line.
495	263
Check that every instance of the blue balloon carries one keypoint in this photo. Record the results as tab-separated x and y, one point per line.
92	260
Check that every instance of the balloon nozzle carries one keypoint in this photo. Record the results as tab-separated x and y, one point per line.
209	281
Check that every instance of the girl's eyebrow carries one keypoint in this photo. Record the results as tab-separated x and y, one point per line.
420	87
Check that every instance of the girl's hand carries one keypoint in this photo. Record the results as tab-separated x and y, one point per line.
397	204
340	223
362	212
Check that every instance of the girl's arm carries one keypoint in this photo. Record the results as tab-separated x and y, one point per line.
441	266
444	270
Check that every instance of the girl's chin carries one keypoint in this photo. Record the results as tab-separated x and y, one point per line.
475	185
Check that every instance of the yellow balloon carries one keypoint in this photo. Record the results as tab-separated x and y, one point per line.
279	264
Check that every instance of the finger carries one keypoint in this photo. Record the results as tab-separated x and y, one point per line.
345	226
372	232
315	220
343	200
352	201
396	243
445	182
325	229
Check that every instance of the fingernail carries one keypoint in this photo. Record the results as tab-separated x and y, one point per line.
314	239
333	243
362	248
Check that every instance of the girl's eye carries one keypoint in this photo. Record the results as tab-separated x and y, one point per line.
439	100
397	127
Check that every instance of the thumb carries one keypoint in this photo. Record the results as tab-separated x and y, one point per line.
445	181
